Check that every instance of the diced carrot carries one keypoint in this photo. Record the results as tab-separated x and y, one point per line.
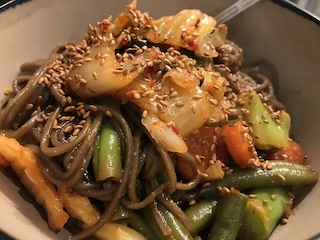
238	143
293	152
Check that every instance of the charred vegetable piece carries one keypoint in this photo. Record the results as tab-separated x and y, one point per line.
201	214
230	212
263	212
107	154
266	131
281	174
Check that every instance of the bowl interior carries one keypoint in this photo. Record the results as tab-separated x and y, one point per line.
268	31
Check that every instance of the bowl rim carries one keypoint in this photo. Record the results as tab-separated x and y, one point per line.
284	3
299	10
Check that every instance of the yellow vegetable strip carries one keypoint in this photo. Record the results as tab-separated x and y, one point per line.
80	207
24	163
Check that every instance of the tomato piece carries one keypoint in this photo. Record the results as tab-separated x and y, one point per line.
204	143
237	143
293	152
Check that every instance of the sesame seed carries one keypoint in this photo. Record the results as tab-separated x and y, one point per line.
179	104
68	129
226	190
108	113
162	102
252	195
193	109
196	97
282	178
86	114
144	113
39	119
69	109
159	107
93	108
284	220
61	91
63	102
274	196
29	106
76	132
167	67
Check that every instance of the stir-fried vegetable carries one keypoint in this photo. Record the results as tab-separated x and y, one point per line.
230	212
179	232
107	154
239	143
293	152
280	173
208	146
267	130
263	212
81	208
24	162
201	214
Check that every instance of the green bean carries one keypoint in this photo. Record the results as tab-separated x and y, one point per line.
282	174
179	232
107	154
201	214
263	212
230	212
147	212
139	223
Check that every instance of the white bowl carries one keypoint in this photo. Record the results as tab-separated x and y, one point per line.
275	31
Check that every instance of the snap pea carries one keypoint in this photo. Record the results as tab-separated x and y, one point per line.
282	174
230	212
107	154
201	214
266	132
263	212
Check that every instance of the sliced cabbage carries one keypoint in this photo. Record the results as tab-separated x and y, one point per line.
174	112
164	134
104	74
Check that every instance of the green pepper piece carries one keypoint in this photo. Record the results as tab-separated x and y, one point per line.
263	212
229	216
266	132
